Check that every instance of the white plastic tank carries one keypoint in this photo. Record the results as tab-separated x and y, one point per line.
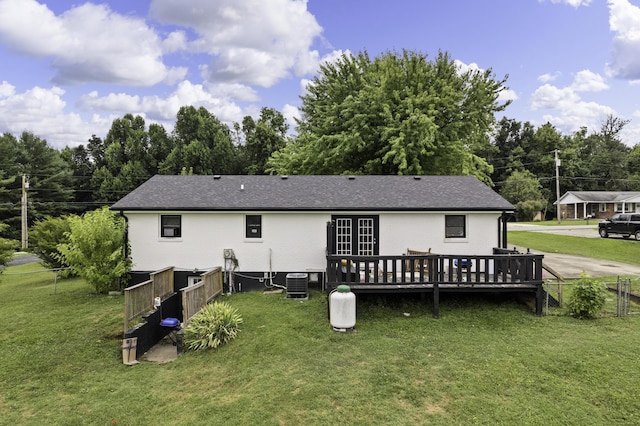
342	309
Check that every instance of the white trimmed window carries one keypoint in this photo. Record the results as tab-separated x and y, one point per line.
253	224
455	226
170	226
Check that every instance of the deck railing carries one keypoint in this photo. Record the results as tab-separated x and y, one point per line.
496	269
138	299
162	281
197	296
508	271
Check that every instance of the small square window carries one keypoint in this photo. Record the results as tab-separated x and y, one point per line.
170	226
254	226
455	226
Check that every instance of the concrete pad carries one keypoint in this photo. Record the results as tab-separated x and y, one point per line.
161	353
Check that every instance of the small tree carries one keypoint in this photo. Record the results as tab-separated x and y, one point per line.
44	238
587	298
95	249
524	190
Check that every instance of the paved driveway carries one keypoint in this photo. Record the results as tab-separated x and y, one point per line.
570	266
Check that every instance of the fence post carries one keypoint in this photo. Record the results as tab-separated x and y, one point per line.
619	298
627	291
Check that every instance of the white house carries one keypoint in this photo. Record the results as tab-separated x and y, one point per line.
267	226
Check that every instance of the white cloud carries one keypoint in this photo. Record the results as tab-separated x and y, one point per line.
164	109
235	91
507	95
334	56
587	81
42	111
112	102
291	113
574	3
464	68
6	89
175	41
548	78
552	97
568	111
251	41
86	43
624	20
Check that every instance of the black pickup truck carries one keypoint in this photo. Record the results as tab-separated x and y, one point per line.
625	224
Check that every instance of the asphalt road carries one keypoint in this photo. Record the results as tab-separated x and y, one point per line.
570	266
21	260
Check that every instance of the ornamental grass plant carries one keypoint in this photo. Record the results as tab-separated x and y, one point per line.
216	324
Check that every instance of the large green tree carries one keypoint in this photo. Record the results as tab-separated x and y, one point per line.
79	161
50	186
396	114
202	144
262	138
512	141
125	159
610	156
10	182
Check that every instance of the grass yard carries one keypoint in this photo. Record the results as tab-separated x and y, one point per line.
485	361
615	249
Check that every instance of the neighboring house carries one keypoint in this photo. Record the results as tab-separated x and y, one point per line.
598	204
264	227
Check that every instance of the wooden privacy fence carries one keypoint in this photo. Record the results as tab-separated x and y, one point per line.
138	299
197	296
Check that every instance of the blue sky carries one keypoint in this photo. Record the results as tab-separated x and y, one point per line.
68	69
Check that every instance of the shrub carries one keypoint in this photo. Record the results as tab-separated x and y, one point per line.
216	324
95	250
527	210
587	298
7	248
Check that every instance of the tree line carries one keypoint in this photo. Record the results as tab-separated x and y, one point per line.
398	113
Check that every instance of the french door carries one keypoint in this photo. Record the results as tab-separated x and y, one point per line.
354	235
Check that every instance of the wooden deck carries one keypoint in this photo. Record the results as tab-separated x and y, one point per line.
506	271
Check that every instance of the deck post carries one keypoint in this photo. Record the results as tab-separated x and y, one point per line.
436	300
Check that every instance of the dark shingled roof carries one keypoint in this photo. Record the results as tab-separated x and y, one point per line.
602	196
326	193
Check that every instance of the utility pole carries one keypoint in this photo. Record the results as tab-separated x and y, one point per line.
25	228
557	185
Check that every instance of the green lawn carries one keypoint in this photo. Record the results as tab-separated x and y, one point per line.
615	249
485	361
